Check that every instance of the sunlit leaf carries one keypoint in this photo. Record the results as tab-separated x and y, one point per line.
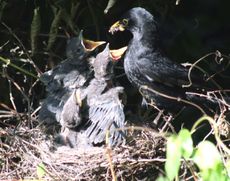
161	179
208	159
207	156
228	167
186	143
40	170
173	155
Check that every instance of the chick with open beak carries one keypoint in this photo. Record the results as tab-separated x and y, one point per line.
67	76
105	109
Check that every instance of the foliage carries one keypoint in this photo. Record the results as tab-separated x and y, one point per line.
211	163
35	28
177	147
40	170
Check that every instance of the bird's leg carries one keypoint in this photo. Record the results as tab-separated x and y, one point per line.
167	124
78	97
157	118
160	112
69	137
62	137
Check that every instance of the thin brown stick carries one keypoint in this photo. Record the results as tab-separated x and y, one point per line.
178	99
109	156
23	47
193	65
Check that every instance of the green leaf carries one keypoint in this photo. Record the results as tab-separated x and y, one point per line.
186	143
161	178
173	156
40	170
208	159
228	167
54	27
3	4
9	62
109	5
207	156
35	29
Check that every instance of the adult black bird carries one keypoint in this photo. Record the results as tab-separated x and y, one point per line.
159	79
67	76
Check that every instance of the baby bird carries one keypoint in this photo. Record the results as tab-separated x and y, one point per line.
69	75
105	109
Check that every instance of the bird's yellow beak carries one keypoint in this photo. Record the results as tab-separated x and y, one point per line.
117	53
118	26
90	45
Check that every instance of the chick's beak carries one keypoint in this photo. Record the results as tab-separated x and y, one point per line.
118	26
90	45
117	54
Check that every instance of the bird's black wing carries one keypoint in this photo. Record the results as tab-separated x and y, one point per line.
160	69
52	106
70	115
106	115
66	74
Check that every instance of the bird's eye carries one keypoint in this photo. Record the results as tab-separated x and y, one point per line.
125	22
78	50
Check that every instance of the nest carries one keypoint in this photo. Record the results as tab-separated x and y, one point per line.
25	148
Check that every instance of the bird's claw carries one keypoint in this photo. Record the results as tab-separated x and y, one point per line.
78	97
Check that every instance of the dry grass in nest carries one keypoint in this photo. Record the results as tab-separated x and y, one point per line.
24	148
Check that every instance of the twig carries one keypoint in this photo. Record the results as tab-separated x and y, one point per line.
193	65
8	108
109	156
178	99
216	131
19	88
23	47
11	96
8	62
217	53
191	170
209	97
